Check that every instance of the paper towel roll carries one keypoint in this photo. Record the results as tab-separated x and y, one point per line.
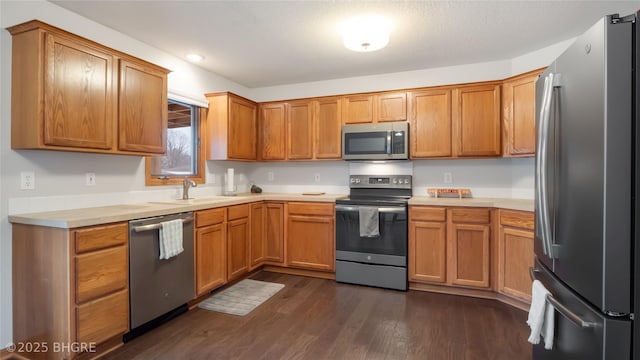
230	182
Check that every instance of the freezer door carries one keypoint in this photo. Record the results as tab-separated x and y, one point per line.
588	175
599	337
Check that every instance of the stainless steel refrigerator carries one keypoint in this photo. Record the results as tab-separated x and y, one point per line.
586	239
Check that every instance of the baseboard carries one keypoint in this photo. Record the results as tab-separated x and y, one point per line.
302	272
484	294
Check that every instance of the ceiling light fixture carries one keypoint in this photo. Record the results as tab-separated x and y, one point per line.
195	57
366	33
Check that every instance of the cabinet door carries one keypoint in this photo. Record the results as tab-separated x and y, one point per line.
272	131
79	95
311	242
300	130
427	251
103	318
431	123
391	107
241	141
274	232
258	235
476	119
237	247
142	112
328	128
357	109
515	257
211	257
518	111
469	254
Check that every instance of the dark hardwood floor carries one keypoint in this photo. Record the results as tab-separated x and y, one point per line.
321	319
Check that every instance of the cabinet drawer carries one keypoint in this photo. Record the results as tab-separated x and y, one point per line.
518	219
210	217
103	318
427	213
470	215
305	208
101	237
101	272
238	211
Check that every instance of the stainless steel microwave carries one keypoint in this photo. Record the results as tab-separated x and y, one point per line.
383	141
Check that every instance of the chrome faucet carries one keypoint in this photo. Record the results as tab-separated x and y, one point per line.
186	184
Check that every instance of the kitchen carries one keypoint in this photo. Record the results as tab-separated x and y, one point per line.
120	179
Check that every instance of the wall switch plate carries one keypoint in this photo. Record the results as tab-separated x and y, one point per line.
316	177
90	179
447	178
270	176
27	180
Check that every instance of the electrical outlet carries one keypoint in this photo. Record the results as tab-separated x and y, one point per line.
447	178
270	176
90	179
316	177
27	180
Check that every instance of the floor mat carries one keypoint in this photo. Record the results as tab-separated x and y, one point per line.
241	298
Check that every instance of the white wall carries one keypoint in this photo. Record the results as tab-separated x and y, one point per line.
120	179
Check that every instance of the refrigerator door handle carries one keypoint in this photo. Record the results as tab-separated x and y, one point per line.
541	167
573	317
577	320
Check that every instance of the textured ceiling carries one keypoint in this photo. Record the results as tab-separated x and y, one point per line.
265	43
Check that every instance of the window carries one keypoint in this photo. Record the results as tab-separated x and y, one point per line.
184	156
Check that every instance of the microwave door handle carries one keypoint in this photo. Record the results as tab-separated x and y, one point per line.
389	142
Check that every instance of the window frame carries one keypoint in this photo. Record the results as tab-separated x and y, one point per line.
200	177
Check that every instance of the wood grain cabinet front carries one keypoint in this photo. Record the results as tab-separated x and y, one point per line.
427	244
310	236
430	134
518	115
231	127
211	249
76	283
515	253
476	120
273	130
469	247
238	240
72	94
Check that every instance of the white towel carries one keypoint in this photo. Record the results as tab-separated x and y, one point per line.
170	239
369	224
541	316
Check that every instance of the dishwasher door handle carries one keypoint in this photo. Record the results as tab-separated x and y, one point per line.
157	226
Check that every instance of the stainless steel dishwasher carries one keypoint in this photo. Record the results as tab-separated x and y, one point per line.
158	287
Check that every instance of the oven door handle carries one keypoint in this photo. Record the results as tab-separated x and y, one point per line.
385	209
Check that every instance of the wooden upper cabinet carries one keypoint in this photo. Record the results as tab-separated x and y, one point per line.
476	120
328	128
373	108
518	115
390	107
357	109
300	130
231	127
273	128
78	95
70	93
142	119
430	118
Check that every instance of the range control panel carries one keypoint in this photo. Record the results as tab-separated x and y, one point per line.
384	181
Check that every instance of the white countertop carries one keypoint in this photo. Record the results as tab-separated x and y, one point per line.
108	214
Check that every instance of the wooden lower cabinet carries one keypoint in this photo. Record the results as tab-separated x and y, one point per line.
211	257
515	253
76	284
274	232
450	246
257	248
238	241
427	244
311	236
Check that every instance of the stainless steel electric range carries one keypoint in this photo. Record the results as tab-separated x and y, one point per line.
371	231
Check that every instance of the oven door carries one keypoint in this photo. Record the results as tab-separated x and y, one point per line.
389	248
